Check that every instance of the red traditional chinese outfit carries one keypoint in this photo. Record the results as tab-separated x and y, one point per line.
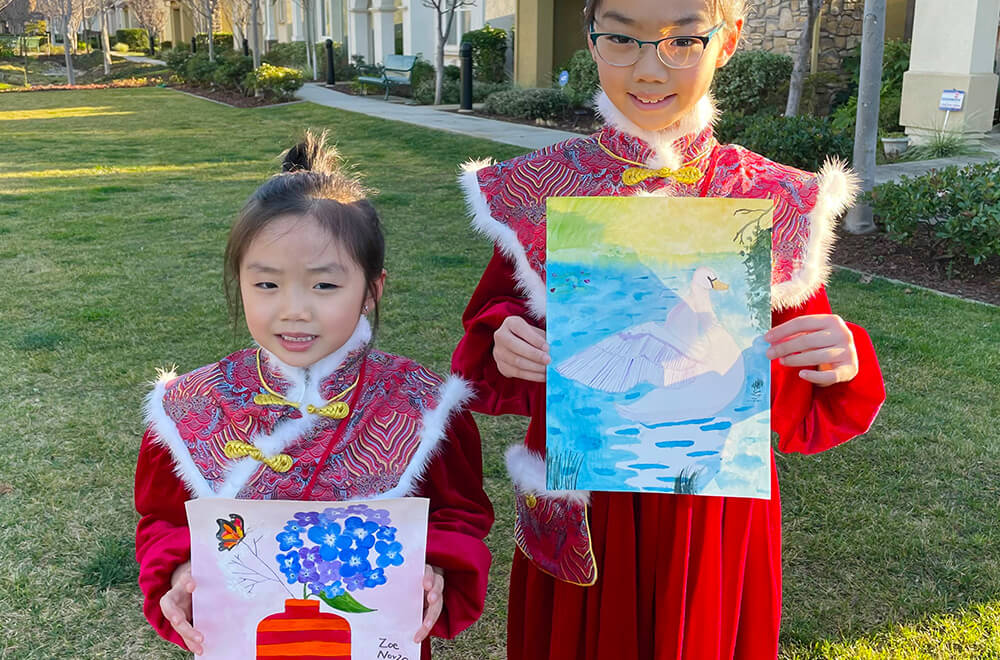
677	576
400	433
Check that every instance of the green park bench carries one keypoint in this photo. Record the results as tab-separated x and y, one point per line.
395	70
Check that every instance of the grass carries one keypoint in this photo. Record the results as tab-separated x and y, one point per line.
114	206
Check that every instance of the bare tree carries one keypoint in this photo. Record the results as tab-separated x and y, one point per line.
106	6
813	8
859	219
68	15
244	16
445	19
205	13
16	13
151	15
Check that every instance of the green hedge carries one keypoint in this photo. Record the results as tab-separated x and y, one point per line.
583	80
753	82
136	39
543	103
221	41
489	53
803	141
895	62
958	207
451	91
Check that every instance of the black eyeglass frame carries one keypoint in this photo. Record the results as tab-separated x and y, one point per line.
704	39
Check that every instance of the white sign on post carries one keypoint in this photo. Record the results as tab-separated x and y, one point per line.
952	100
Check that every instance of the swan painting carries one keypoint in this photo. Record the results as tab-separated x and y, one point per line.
658	381
690	358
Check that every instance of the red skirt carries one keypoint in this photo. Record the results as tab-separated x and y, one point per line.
679	576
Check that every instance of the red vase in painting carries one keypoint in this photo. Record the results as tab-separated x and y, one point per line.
302	632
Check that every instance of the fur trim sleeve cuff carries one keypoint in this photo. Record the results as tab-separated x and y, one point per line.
527	471
838	188
528	281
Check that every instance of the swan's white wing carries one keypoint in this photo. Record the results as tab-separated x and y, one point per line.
622	361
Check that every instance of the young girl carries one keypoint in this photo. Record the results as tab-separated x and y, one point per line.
314	412
630	576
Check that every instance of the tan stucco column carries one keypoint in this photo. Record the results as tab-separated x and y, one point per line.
953	47
533	27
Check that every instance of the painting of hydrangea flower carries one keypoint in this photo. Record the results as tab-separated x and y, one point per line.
339	552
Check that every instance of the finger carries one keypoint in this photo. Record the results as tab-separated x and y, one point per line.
515	363
830	377
430	618
532	376
806	323
810	341
827	357
523	349
527	332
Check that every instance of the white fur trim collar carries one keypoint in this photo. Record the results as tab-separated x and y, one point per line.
665	154
306	381
838	188
529	282
527	471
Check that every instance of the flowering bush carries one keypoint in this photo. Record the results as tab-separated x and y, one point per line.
276	81
337	552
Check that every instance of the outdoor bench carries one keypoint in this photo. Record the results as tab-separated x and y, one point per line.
395	70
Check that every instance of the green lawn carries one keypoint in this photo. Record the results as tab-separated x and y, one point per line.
114	207
90	66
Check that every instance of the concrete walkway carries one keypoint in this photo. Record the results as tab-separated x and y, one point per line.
536	137
521	135
140	59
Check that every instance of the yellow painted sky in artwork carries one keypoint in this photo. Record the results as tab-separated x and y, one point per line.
663	228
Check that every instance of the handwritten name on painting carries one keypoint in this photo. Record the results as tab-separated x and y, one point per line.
389	650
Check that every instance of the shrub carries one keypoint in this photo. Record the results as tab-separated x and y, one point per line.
489	53
958	207
166	45
135	39
199	70
231	71
583	80
544	103
176	60
803	142
120	47
221	41
7	51
286	54
895	62
422	70
452	72
451	91
275	81
753	82
36	28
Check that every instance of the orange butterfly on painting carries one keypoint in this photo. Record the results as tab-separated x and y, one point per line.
230	532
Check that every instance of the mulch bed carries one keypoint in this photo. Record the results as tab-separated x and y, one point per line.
914	263
114	84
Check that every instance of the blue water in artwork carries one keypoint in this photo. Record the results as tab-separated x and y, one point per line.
592	446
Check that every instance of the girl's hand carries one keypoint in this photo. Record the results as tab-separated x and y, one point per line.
176	607
822	341
520	350
433	600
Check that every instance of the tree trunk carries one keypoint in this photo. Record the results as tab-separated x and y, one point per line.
255	33
439	61
105	40
210	12
860	220
801	60
67	47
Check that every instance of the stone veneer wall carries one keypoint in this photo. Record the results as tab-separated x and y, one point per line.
776	25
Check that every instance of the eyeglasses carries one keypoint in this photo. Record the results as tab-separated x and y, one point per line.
679	52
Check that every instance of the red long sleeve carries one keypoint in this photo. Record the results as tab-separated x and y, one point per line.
162	540
810	419
494	299
460	517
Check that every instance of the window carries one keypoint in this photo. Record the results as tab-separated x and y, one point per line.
461	25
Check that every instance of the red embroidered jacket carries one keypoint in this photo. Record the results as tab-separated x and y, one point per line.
404	435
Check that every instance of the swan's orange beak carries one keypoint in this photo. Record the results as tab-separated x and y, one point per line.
719	285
